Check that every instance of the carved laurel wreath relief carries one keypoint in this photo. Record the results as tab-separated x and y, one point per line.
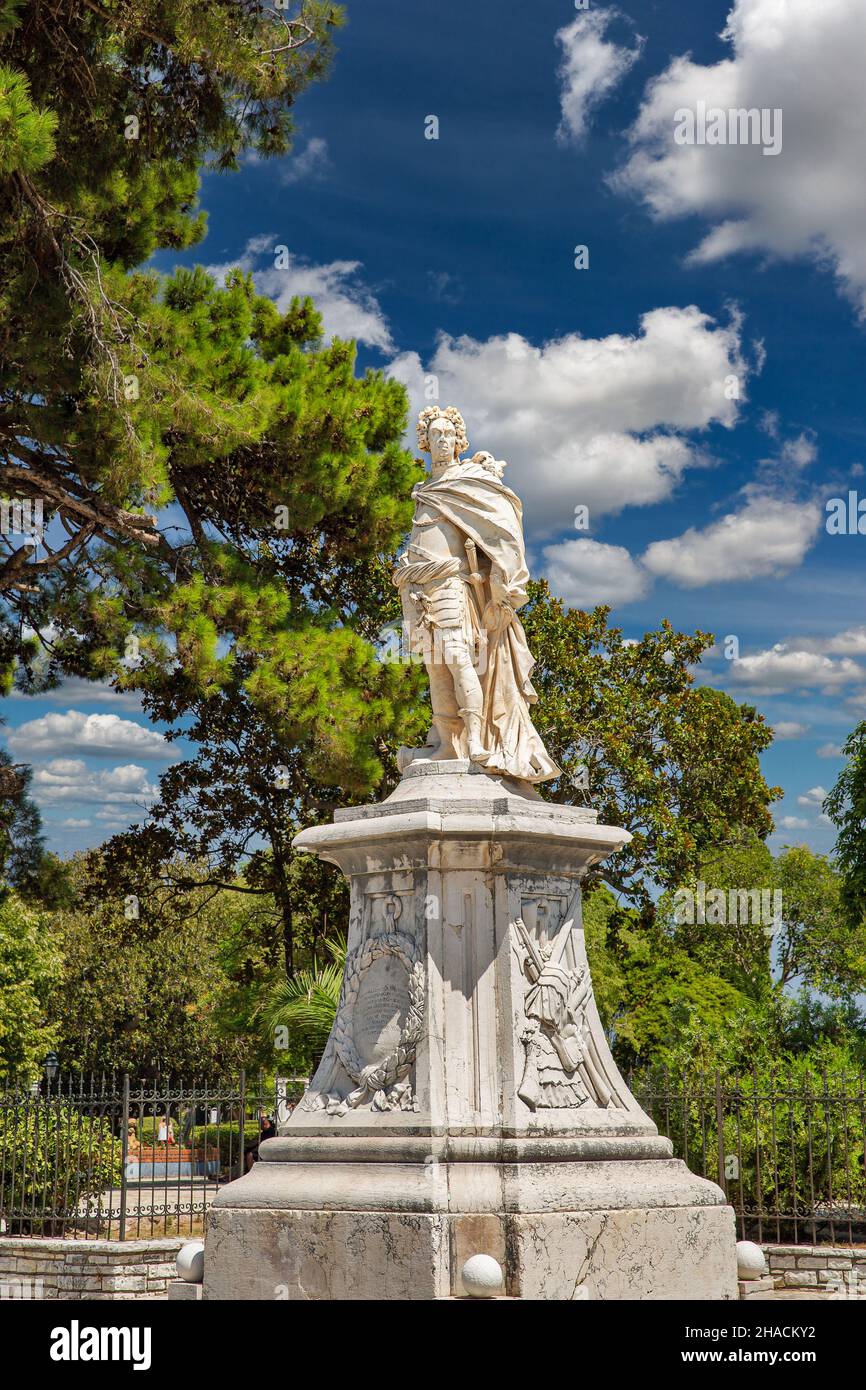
385	1080
385	1083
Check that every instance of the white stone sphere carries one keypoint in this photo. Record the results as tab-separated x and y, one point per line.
190	1262
482	1277
751	1262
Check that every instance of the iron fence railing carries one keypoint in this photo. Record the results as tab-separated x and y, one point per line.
788	1150
117	1158
111	1157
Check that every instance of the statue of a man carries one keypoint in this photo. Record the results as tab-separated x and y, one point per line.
461	581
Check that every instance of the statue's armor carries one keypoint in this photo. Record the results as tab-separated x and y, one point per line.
433	579
442	614
461	581
442	604
438	608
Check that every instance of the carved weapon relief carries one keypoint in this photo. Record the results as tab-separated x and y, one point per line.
562	1066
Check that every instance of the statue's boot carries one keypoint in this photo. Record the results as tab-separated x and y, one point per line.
446	736
477	752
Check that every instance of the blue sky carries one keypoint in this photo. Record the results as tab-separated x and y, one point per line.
608	386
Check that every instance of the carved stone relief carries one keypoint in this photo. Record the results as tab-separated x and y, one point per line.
380	1017
562	1068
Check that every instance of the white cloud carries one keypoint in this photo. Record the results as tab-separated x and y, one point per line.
99	735
591	67
593	421
769	423
784	668
74	690
799	452
768	537
793	823
788	728
830	750
816	796
851	642
348	308
312	162
810	199
67	779
585	572
72	824
444	286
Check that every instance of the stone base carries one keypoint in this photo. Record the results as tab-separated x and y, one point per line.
752	1288
467	1101
181	1292
675	1253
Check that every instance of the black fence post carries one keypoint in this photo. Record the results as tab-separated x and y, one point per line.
124	1154
242	1138
720	1136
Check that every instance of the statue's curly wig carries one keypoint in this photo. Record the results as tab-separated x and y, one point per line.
434	412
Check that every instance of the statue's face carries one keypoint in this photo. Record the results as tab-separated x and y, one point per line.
442	437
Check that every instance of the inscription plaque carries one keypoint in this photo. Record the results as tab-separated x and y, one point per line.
381	1006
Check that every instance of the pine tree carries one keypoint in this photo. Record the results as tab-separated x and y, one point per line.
22	844
108	111
217	484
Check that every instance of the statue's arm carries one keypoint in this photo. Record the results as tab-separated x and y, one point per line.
503	593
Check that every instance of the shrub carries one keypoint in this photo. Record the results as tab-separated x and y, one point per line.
53	1157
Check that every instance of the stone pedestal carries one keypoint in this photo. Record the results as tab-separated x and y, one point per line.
467	1101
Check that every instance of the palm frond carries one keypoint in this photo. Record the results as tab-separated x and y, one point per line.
307	1004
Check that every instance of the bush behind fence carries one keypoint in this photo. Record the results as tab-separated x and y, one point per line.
112	1158
786	1145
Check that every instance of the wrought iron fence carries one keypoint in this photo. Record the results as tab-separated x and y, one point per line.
112	1158
115	1158
788	1151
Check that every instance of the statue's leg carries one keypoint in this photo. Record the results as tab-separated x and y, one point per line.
455	690
447	728
467	691
423	642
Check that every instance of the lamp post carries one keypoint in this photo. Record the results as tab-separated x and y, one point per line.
51	1066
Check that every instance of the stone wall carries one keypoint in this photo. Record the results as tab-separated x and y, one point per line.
816	1266
87	1269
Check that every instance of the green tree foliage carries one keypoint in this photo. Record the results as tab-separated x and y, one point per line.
108	110
172	989
299	1013
54	1156
816	944
29	967
226	817
846	807
810	945
708	987
219	487
677	764
791	1139
657	1002
21	840
25	865
26	134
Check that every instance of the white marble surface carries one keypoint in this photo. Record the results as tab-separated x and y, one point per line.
681	1253
438	1126
462	580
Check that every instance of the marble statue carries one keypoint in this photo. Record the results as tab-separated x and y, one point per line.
467	1113
461	581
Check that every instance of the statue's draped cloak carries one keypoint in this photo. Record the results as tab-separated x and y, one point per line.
491	515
